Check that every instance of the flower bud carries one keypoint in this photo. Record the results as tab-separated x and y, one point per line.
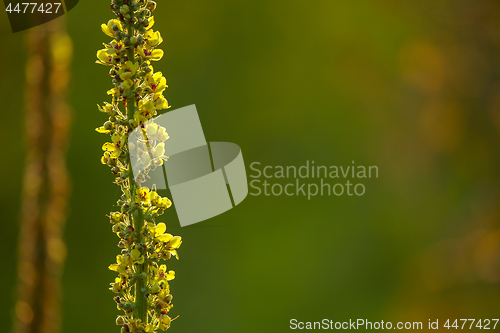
108	125
133	40
151	5
124	10
120	321
116	217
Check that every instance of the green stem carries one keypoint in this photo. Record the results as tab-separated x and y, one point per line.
141	283
141	303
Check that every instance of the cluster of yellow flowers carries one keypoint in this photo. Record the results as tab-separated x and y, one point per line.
142	282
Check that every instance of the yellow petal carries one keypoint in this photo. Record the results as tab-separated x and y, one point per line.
165	237
135	254
104	56
165	203
174	253
151	22
113	91
108	28
102	130
113	267
170	275
160	102
154	38
105	29
147	106
157	54
108	146
157	76
160	229
127	84
126	75
175	242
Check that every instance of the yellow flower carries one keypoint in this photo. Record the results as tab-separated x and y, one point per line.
123	261
172	246
143	195
136	325
163	295
116	217
164	203
107	108
154	197
117	286
164	322
125	85
128	70
115	92
146	106
115	148
153	38
105	56
108	28
105	158
160	102
163	275
170	243
159	232
136	257
154	55
156	82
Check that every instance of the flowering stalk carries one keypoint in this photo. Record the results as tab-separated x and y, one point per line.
142	283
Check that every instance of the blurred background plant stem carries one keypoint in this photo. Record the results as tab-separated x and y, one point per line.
46	183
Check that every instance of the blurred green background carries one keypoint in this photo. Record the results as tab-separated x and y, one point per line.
412	87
